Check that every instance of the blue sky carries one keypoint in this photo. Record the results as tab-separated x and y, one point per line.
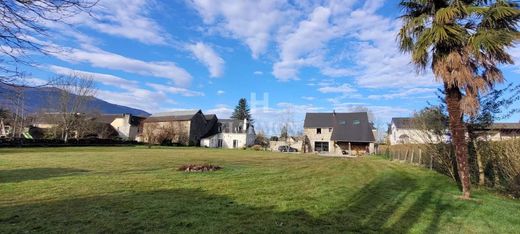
296	56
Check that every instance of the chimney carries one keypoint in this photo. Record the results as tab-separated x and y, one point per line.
334	112
245	125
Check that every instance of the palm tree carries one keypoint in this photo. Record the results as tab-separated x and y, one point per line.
463	42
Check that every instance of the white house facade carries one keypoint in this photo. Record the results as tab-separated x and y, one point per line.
403	131
232	134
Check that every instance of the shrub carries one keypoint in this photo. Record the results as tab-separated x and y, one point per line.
500	159
256	147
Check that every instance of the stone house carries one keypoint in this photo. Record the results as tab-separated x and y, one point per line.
339	133
231	134
177	127
103	126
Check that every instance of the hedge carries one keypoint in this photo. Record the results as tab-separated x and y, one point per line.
501	161
21	142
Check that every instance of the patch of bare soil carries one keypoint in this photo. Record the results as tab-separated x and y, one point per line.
199	168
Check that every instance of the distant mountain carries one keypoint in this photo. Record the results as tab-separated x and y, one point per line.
45	98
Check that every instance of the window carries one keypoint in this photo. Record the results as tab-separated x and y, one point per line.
320	146
356	122
330	129
235	143
318	130
343	122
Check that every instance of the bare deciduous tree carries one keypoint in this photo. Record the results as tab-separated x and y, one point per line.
75	93
22	22
150	133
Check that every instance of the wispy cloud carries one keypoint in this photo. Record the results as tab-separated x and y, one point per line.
343	89
129	19
103	59
206	55
106	79
250	21
405	94
175	90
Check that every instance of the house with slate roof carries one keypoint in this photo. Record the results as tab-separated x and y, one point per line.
403	131
178	127
502	131
339	133
230	134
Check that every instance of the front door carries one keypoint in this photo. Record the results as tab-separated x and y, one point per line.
321	146
219	143
235	143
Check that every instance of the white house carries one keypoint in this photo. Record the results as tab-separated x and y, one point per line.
5	129
403	131
126	125
501	132
231	134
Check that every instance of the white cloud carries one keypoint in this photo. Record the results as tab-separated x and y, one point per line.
103	59
302	47
383	114
253	22
404	94
143	99
106	79
129	19
220	92
132	96
343	89
515	53
308	98
206	55
222	111
175	90
258	73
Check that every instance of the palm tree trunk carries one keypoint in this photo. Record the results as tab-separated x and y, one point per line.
453	98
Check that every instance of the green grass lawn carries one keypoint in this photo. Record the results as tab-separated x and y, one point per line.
127	189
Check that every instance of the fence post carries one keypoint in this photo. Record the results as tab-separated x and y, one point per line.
431	162
420	157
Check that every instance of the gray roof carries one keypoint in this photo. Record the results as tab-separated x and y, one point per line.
505	126
176	113
232	126
172	116
210	116
352	127
403	122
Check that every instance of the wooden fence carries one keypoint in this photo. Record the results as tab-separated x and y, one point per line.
412	154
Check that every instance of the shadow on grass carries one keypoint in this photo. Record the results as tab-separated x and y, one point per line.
193	210
20	175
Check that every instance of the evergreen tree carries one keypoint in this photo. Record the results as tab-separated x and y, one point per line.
242	111
284	133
